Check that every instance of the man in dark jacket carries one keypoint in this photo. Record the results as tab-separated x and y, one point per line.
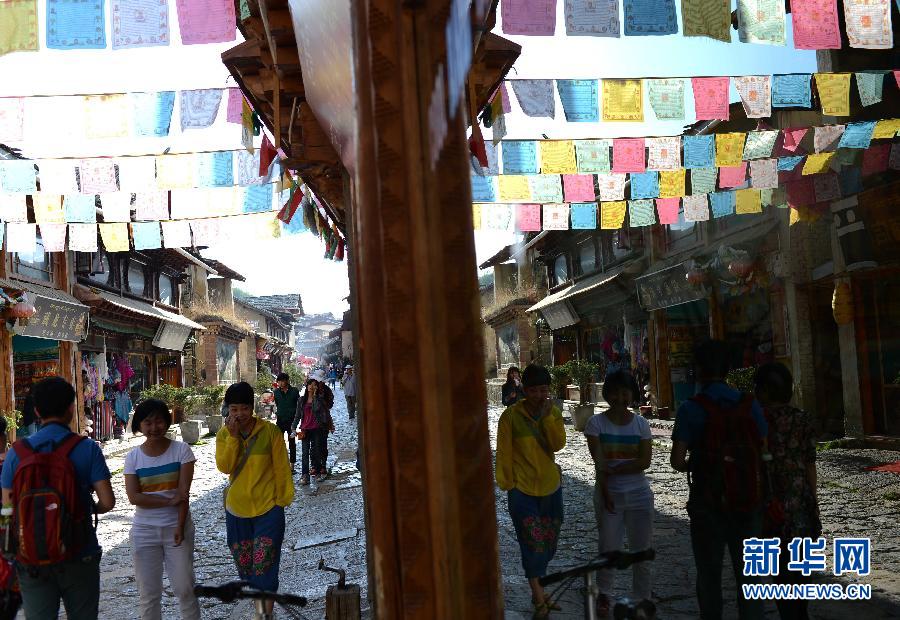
286	397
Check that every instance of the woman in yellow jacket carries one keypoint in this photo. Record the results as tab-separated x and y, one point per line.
253	453
530	432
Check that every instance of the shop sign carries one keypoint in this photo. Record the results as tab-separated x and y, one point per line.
54	320
667	288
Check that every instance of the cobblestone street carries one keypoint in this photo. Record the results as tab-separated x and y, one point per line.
853	503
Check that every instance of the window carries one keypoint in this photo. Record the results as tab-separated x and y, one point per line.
560	269
136	281
101	271
587	257
36	265
166	290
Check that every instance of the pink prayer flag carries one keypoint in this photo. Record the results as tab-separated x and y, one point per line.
711	98
668	210
54	237
628	155
528	218
897	77
801	193
875	159
792	138
528	17
504	99
578	187
206	21
816	24
97	176
235	101
732	176
12	117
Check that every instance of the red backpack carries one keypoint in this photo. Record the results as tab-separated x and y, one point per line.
51	519
729	470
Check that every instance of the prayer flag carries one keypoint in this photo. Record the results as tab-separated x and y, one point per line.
699	151
233	108
13	208
175	171
756	96
483	189
612	215
857	135
793	137
535	97
764	173
215	169
707	18
593	155
834	93
258	198
668	208
199	107
152	113
710	98
868	23
747	201
733	176
114	237
12	109
818	163
558	157
136	174
76	24
116	207
139	23
628	155
206	21
703	180
729	148
611	186
791	91
666	98
556	217
623	100
21	238
53	237
696	208
83	238
476	216
528	17
207	231
722	203
760	144
520	157
17	176
80	208
671	183
584	215
886	128
106	116
528	218
789	163
578	187
870	87
650	17
546	187
514	188
761	21
579	100
826	187
826	138
596	18
176	234
815	24
664	153
644	185
48	208
641	213
97	175
18	28
57	176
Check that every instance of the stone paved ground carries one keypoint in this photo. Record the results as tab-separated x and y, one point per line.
853	502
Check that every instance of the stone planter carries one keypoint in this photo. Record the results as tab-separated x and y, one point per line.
171	434
580	416
214	423
190	431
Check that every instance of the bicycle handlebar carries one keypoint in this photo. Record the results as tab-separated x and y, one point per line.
234	590
615	559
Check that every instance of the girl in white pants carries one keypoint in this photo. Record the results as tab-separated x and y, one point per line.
158	476
620	444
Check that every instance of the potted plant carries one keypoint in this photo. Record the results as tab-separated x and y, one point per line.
13	420
559	379
213	396
741	379
582	373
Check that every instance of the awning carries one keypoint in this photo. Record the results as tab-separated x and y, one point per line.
146	309
581	287
58	316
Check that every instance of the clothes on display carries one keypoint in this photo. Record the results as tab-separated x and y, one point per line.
107	399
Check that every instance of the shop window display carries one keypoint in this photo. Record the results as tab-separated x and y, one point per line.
107	379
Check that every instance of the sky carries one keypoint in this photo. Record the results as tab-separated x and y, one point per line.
295	264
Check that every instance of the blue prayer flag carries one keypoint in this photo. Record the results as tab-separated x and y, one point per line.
258	198
699	151
483	189
644	184
791	91
152	113
146	235
857	135
215	169
650	17
80	208
786	164
722	203
76	24
520	157
584	215
579	100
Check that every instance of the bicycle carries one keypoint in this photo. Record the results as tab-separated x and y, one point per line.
240	590
623	610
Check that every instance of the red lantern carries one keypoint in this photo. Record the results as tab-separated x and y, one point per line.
21	310
696	276
741	267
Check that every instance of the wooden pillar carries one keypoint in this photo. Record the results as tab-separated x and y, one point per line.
664	396
7	377
433	550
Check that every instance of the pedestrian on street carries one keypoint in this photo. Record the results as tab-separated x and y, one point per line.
529	433
350	390
72	571
793	510
158	476
252	452
724	431
286	398
313	416
512	391
10	597
332	376
621	446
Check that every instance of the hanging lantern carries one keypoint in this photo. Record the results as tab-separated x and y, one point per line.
741	267
21	310
842	304
695	276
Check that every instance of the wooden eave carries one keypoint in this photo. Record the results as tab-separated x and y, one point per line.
492	60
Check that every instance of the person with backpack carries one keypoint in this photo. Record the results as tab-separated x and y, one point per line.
621	446
313	416
57	555
529	434
286	397
252	452
724	431
793	510
158	476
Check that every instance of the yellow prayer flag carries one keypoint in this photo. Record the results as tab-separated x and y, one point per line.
476	216
175	171
747	201
18	25
48	208
623	100
225	201
817	163
834	93
107	116
671	183
114	236
729	148
886	128
803	215
558	157
612	215
514	188
246	125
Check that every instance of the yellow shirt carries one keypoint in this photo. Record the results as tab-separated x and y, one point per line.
521	461
266	480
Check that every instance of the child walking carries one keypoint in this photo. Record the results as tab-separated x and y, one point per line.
620	444
158	476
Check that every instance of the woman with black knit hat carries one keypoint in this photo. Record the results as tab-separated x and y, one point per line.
529	434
